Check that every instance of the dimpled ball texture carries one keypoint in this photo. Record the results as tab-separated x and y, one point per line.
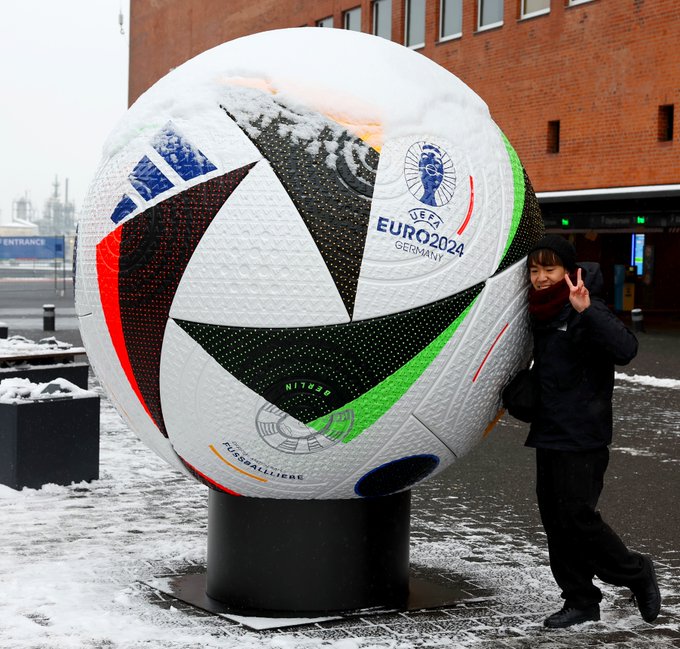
300	266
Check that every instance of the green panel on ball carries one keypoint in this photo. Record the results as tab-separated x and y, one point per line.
526	227
369	407
312	372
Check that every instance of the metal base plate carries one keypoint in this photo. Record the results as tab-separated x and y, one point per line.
191	589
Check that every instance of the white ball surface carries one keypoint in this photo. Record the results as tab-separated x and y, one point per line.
300	266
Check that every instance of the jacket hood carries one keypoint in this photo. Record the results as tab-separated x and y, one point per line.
592	277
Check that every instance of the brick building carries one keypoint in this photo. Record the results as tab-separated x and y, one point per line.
584	89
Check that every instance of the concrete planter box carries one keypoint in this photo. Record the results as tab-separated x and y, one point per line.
76	373
49	441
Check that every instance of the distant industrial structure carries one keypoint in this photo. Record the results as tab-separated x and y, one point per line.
585	90
58	216
23	219
57	220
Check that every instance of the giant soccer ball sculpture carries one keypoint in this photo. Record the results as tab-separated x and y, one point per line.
300	267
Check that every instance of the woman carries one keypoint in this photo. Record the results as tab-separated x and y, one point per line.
577	342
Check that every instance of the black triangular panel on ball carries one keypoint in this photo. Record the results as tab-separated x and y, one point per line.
309	372
154	249
329	178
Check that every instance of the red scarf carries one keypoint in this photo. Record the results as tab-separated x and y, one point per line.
546	304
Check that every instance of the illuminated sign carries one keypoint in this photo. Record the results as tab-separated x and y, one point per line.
637	251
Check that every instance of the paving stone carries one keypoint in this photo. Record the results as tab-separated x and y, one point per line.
475	527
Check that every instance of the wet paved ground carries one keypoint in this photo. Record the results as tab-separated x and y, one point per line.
475	527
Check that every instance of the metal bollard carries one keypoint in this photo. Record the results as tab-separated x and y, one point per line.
48	317
4	330
637	320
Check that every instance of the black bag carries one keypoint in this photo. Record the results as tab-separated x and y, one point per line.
520	396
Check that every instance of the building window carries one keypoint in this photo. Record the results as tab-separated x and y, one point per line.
382	18
577	2
325	22
415	23
535	7
352	19
666	118
554	136
450	18
490	13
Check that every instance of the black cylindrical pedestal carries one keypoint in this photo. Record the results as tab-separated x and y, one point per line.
308	556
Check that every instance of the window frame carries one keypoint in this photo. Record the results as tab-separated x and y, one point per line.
666	123
449	37
375	11
539	12
407	6
574	3
554	143
319	23
480	27
347	13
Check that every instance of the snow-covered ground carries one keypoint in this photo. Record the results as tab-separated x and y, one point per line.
74	559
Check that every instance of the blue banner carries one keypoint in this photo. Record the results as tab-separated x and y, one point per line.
31	247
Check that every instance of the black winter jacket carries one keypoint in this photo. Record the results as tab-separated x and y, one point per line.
574	358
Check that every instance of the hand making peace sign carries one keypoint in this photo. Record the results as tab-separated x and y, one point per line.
579	296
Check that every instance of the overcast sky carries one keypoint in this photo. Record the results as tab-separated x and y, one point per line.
63	79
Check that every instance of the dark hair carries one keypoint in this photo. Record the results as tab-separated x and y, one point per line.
552	250
544	257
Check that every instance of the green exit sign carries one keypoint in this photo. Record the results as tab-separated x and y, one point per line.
565	223
640	220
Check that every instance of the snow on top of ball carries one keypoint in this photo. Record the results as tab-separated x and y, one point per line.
293	65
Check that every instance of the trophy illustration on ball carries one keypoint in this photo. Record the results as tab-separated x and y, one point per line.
431	168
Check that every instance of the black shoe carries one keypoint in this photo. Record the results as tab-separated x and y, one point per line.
647	595
568	616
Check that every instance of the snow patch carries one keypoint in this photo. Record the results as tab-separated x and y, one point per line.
18	390
651	381
22	345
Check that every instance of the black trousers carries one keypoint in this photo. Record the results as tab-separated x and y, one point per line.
581	545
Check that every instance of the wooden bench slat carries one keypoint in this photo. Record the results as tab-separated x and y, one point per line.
54	354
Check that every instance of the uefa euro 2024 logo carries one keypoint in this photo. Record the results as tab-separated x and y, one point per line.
431	178
429	174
